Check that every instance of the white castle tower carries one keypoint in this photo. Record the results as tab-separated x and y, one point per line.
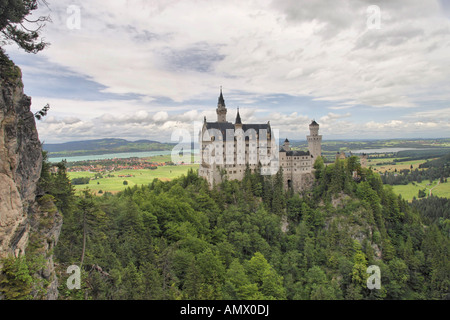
314	141
221	108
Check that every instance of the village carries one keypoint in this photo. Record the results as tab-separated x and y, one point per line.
116	164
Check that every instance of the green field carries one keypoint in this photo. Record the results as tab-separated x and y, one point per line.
139	177
377	164
161	158
409	191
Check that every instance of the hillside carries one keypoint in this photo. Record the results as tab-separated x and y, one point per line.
251	239
442	162
421	148
103	146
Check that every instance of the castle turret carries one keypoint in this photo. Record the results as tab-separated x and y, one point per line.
314	140
221	108
363	160
286	145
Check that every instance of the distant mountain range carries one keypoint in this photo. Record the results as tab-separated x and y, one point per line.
103	146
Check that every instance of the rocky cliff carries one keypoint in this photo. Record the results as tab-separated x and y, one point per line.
25	223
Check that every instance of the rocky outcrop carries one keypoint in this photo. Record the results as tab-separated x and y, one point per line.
45	227
20	170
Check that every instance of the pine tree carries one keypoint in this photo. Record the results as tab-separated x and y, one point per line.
13	16
16	282
90	218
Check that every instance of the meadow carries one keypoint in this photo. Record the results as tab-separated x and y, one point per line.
412	190
136	177
378	164
164	173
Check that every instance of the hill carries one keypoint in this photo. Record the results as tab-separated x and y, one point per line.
251	239
442	162
103	146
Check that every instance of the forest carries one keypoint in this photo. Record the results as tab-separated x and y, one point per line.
240	240
430	170
248	239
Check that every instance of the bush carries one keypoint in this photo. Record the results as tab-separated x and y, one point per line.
15	280
422	194
80	181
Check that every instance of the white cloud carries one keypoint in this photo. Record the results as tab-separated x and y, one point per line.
431	115
184	50
277	46
161	116
330	117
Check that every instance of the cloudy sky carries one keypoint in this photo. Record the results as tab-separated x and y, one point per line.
140	69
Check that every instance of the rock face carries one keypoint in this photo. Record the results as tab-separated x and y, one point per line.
20	170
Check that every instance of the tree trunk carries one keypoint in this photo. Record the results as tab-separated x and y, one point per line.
84	240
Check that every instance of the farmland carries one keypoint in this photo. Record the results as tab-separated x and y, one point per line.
412	190
388	164
115	182
114	175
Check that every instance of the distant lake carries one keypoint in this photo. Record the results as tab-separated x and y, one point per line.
386	150
123	155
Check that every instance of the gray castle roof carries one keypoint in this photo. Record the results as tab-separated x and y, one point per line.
238	118
221	101
296	153
224	126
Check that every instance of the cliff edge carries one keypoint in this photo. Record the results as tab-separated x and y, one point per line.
23	219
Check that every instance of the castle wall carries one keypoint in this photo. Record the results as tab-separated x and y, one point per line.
296	170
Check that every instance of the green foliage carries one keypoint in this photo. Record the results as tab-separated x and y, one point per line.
8	70
80	181
316	286
16	282
422	194
319	167
107	146
269	283
13	13
57	184
181	240
24	277
42	113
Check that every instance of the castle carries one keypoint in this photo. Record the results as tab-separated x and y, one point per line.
226	149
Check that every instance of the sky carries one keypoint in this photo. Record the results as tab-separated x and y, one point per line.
137	69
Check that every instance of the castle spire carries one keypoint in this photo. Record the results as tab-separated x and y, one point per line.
238	117
221	101
221	108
